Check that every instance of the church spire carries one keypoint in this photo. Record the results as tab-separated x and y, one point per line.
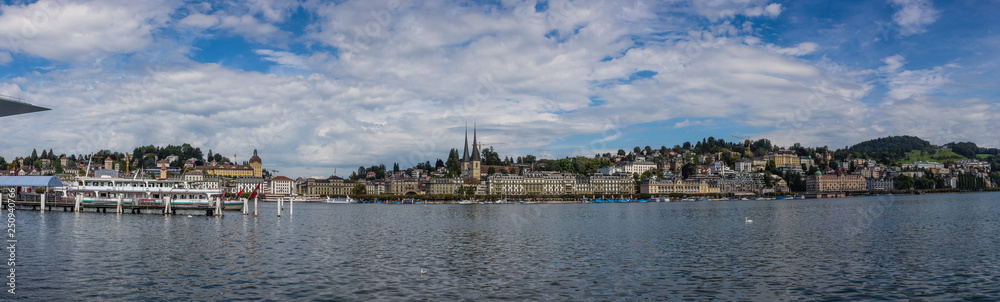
465	157
475	146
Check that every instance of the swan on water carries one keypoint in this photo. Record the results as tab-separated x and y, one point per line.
747	220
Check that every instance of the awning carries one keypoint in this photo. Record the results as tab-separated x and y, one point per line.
13	106
30	181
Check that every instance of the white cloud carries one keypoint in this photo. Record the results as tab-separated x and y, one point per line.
801	49
273	11
283	58
79	31
771	10
689	123
247	26
5	58
722	9
904	84
914	16
200	21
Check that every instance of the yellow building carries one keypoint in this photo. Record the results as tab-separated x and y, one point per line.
652	186
835	183
254	169
786	160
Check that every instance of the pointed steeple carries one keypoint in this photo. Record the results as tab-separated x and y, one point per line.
475	147
465	157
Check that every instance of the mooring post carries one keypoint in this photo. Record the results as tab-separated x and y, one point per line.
246	211
43	202
279	207
166	205
291	207
119	208
76	206
255	206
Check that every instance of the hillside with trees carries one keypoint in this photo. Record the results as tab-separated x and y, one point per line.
886	150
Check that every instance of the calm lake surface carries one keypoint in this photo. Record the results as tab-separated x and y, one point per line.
932	247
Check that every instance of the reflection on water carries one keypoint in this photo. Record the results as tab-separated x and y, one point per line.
923	247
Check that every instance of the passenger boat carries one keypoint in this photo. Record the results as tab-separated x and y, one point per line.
146	191
348	199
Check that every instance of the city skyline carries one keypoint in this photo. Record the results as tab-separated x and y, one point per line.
317	86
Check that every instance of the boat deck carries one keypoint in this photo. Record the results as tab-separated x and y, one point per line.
102	207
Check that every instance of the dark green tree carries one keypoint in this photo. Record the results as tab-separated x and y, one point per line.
358	189
903	182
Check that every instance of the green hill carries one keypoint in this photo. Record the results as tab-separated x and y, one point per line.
887	149
941	155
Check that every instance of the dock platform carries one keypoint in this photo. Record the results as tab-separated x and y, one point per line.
102	207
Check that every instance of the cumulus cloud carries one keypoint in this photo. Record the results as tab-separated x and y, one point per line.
904	84
771	10
913	16
79	31
283	58
200	21
722	9
689	123
801	49
247	26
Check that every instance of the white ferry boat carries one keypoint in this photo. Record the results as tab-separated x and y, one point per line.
146	191
341	200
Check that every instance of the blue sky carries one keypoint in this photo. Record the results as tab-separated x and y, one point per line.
318	85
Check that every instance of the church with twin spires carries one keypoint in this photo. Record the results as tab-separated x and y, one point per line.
471	164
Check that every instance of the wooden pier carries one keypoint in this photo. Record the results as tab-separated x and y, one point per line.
103	207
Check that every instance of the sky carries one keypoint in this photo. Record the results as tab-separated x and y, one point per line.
316	86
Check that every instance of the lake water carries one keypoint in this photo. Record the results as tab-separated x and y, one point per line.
932	247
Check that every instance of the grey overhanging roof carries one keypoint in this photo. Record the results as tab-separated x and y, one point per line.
30	181
12	106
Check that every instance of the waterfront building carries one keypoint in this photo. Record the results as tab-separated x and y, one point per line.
406	186
333	186
951	182
558	184
835	183
375	187
879	184
741	183
679	186
443	186
281	186
248	185
505	184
